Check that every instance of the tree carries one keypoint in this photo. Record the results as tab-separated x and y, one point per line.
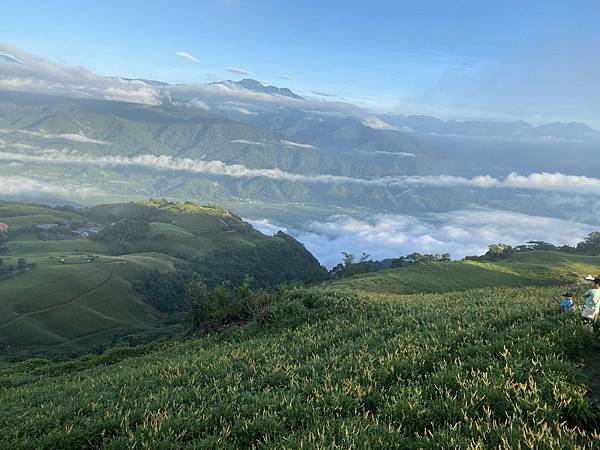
21	264
128	230
590	245
349	266
419	258
445	257
211	308
498	251
348	259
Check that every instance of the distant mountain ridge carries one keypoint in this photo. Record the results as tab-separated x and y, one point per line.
487	128
256	86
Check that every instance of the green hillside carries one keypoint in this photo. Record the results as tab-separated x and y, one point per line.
83	293
485	370
523	269
446	355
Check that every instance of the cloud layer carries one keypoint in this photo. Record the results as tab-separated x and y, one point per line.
17	185
551	182
39	75
73	137
459	233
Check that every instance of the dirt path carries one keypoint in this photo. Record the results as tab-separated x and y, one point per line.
67	303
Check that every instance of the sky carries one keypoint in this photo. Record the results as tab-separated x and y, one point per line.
533	60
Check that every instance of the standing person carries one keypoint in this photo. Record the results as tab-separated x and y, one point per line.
592	303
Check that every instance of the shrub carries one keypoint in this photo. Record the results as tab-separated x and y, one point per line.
224	304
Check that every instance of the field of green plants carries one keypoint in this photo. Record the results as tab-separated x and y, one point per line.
482	368
62	305
539	268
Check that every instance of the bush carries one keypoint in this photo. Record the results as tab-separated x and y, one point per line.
224	304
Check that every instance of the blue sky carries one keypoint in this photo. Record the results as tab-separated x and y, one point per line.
535	60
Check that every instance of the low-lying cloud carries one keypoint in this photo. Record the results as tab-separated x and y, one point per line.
13	185
460	233
298	145
237	109
73	137
383	152
551	182
246	142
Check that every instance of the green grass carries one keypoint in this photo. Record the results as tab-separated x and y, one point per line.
526	269
488	368
56	304
169	231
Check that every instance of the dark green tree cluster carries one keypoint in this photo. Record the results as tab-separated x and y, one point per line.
165	291
8	269
421	258
589	246
121	234
350	266
270	262
212	308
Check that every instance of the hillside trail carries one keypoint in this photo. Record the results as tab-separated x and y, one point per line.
67	303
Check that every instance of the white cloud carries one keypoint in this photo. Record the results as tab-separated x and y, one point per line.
556	182
459	233
17	185
266	227
197	103
74	137
377	123
237	70
38	75
238	109
20	146
322	94
244	141
298	145
186	55
382	152
286	77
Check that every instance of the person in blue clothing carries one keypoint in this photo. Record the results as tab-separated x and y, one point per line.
567	305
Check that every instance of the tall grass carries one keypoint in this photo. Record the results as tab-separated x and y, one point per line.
486	368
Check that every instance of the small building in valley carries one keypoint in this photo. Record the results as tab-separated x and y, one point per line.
87	232
47	226
3	227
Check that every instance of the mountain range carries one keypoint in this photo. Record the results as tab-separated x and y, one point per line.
296	162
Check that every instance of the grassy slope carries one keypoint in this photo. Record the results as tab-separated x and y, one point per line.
70	304
55	304
437	371
535	268
487	368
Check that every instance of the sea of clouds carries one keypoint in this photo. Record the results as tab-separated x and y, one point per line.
460	233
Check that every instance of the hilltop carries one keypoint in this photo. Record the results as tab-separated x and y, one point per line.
535	268
92	276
